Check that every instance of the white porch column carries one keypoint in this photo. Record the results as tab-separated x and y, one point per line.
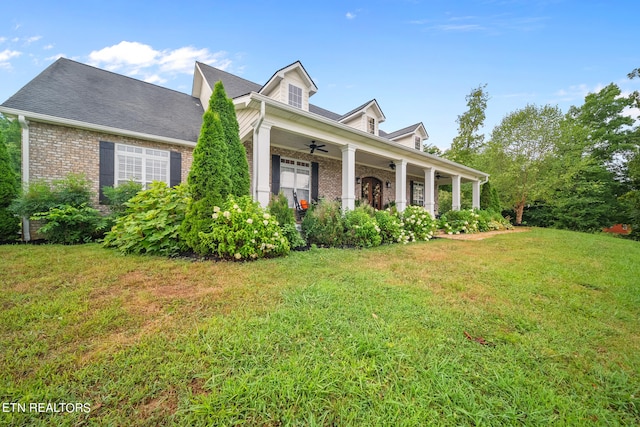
348	177
401	184
24	124
261	187
476	195
455	192
429	190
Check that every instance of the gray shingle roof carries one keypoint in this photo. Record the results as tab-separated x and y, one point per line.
75	91
402	131
234	86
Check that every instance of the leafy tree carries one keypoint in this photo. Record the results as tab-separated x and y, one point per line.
208	182
489	199
9	223
10	135
432	149
469	141
237	156
518	154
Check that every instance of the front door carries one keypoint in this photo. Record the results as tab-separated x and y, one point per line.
372	191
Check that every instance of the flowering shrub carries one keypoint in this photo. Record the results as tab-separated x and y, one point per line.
241	230
462	221
151	222
417	224
391	230
361	229
323	224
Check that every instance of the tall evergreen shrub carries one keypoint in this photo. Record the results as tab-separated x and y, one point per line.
209	181
236	154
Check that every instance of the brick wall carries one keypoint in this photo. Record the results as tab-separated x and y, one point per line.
56	151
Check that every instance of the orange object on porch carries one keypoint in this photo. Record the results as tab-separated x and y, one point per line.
304	205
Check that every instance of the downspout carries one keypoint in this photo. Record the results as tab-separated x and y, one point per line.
24	124
256	132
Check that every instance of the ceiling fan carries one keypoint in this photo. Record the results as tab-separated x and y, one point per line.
313	146
438	176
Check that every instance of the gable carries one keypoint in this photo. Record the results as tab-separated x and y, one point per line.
291	85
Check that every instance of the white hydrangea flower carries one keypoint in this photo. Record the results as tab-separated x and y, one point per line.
216	209
249	220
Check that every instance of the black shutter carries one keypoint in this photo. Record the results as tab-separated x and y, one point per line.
175	168
314	181
107	167
411	192
275	173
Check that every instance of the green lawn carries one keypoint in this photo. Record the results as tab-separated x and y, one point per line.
328	337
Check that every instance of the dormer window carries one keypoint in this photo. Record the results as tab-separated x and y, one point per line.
372	125
295	96
418	143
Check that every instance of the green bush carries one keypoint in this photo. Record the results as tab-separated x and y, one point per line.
417	223
391	230
67	224
323	224
361	229
462	221
116	197
9	223
151	221
242	230
279	208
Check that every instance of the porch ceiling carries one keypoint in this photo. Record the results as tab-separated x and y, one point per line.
299	143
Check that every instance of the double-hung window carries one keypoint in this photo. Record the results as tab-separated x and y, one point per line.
372	125
418	194
295	175
295	96
142	165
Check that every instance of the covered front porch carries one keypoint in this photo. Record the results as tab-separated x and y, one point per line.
289	150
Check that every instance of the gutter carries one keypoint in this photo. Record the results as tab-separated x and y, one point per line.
24	124
44	118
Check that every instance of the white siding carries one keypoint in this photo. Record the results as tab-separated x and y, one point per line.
246	118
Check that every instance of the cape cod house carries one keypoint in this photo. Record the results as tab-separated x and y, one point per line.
112	128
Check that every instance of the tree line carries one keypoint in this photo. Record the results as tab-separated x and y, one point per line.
578	170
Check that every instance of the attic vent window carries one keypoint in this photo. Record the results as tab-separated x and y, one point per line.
418	143
372	125
295	96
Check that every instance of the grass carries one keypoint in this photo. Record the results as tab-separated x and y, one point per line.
328	337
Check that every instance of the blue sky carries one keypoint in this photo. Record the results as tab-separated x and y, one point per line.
419	59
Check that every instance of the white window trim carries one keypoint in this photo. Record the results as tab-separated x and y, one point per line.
293	96
145	156
375	125
296	166
417	142
416	185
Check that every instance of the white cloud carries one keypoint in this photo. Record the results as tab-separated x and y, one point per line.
33	39
124	54
7	54
154	66
3	39
576	92
48	47
350	15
